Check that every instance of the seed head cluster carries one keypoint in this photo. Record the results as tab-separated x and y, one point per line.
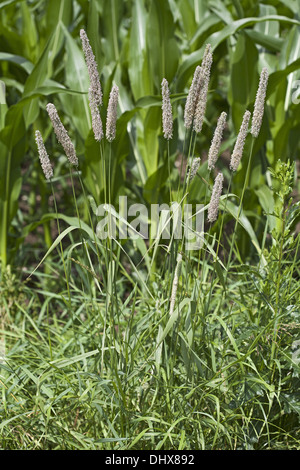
95	90
95	86
62	135
213	207
192	98
111	118
195	106
259	102
202	97
44	158
193	170
240	142
216	141
167	116
96	118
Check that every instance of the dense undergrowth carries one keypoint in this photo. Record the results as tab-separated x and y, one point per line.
133	343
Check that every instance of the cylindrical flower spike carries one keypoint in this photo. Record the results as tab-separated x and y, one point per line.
167	116
96	118
213	207
193	170
175	283
62	135
95	90
202	97
259	102
91	63
240	142
216	141
192	97
43	155
112	114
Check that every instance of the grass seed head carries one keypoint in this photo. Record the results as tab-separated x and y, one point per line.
259	102
240	142
193	170
44	158
216	141
111	118
204	82
192	97
167	116
95	86
96	117
213	207
62	135
95	90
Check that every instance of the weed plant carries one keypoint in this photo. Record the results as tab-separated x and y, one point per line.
142	344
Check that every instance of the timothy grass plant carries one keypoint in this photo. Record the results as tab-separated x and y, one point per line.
157	346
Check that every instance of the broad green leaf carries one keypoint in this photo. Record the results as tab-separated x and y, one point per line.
152	126
291	53
244	80
267	28
138	67
58	12
14	129
210	24
149	101
111	16
221	10
39	74
188	66
16	59
271	43
162	47
186	15
93	31
280	76
30	34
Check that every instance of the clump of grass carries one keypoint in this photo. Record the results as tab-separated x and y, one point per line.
170	358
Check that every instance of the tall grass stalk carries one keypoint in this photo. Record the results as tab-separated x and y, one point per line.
245	185
60	245
5	215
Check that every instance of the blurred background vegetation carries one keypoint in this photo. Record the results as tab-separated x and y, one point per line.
137	43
